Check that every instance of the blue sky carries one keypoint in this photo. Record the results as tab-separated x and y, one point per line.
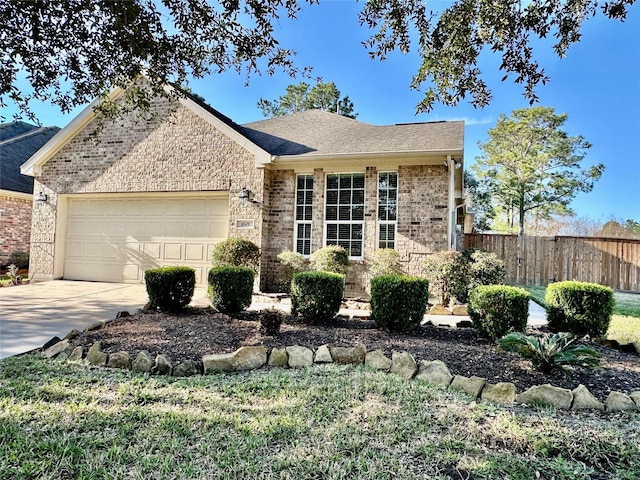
597	85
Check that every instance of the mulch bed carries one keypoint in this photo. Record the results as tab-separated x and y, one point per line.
195	333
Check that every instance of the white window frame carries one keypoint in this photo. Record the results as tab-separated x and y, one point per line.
345	222
386	222
298	223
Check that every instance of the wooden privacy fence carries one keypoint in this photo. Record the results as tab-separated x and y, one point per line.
541	260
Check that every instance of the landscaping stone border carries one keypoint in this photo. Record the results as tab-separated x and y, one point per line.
401	363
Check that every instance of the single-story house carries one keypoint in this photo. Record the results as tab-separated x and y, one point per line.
18	141
165	191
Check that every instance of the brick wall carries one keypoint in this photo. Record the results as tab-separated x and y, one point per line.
176	152
422	220
15	225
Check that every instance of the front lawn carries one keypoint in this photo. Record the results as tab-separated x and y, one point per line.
60	420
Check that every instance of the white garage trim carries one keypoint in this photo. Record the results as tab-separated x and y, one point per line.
115	237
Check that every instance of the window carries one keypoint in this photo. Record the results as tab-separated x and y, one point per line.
304	213
387	209
344	214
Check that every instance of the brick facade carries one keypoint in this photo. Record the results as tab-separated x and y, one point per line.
15	225
180	151
421	228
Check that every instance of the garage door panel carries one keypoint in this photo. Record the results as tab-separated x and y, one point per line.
116	239
195	252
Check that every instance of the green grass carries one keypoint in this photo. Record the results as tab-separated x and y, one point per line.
59	420
625	321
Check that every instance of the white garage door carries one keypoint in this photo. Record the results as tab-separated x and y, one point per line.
115	239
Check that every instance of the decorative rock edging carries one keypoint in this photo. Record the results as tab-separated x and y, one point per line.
401	363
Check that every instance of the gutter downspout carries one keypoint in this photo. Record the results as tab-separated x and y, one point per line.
451	165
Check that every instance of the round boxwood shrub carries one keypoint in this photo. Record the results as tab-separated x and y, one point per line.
236	252
578	307
230	288
332	258
496	310
386	261
170	289
292	262
316	296
398	302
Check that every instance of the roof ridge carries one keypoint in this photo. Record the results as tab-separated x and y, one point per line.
24	135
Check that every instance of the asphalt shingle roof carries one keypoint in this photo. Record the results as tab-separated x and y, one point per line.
315	132
18	141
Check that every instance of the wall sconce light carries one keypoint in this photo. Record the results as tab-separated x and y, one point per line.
246	196
42	197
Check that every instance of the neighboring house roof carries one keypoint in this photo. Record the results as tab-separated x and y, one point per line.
315	132
18	141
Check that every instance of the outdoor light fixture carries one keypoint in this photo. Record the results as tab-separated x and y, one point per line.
246	196
42	197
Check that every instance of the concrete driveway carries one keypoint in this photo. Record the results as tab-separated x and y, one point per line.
30	315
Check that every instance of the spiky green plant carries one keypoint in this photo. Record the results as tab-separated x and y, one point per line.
551	351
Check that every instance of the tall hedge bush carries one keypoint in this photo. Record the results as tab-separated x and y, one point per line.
292	262
386	261
496	310
485	268
170	289
236	252
578	307
316	296
230	288
332	258
448	275
398	302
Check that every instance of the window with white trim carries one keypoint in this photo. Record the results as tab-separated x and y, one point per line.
304	213
387	209
344	212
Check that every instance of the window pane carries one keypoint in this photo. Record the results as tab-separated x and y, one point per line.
393	180
345	182
345	197
345	213
358	180
332	197
332	213
356	232
332	182
356	249
299	213
332	231
357	213
309	182
300	183
308	213
358	197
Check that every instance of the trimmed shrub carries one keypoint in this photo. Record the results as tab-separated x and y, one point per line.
316	296
496	310
485	268
170	289
332	258
270	322
236	252
448	275
293	262
230	288
580	308
386	261
20	259
398	302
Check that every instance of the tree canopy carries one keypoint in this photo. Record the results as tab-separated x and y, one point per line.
72	51
301	97
530	165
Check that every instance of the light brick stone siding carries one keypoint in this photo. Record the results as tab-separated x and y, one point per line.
421	229
176	152
15	225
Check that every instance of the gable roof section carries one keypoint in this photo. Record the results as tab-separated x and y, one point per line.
18	141
224	124
319	133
